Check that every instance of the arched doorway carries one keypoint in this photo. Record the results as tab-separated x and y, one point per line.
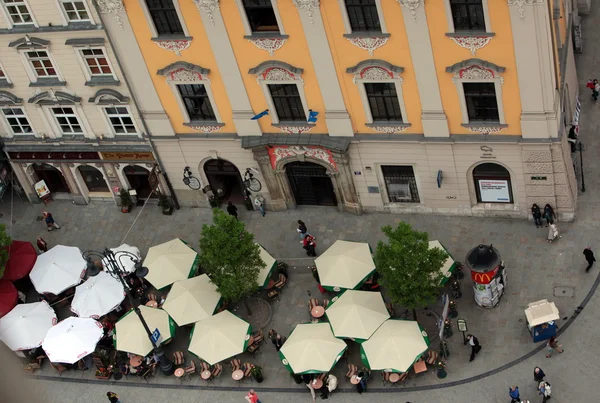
52	176
138	179
492	183
310	184
225	180
93	178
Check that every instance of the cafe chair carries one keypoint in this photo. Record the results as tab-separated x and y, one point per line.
204	366
253	348
191	369
258	336
248	369
216	371
322	376
235	364
273	294
153	297
385	377
281	282
58	367
432	357
312	303
325	303
403	377
149	372
352	370
178	358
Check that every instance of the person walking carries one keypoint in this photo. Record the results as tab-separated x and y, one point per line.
475	346
232	210
553	232
112	397
308	379
590	85
310	245
259	202
553	345
545	390
252	397
549	214
538	374
302	230
595	91
513	392
589	256
42	244
50	223
537	215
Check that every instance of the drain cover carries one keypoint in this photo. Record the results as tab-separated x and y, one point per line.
562	291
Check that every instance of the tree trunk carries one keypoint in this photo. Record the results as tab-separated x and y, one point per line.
247	307
414	314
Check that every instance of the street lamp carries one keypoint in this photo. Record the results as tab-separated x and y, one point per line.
114	267
581	149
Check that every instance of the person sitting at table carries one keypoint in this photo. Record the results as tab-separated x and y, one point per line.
362	382
329	386
308	379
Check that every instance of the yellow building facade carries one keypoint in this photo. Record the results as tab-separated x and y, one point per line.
421	106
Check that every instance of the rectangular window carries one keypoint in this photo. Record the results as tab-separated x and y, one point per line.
18	12
120	120
467	15
96	62
261	15
383	101
16	119
75	10
287	101
482	104
400	183
196	101
41	63
363	15
67	120
165	18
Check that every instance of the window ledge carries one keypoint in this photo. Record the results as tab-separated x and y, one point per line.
485	127
161	38
5	84
266	35
102	81
294	127
389	127
478	34
205	126
48	83
367	34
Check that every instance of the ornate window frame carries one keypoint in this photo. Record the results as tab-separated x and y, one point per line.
478	71
368	41
27	44
276	72
380	71
106	98
48	99
9	20
94	80
109	125
173	43
9	100
471	40
88	9
182	73
269	41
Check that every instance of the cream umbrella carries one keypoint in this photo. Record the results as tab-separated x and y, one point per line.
125	261
131	335
192	300
311	348
58	269
97	296
72	339
345	265
357	314
219	337
170	262
395	346
449	266
26	325
264	274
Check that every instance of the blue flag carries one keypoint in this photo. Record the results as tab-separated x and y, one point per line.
260	115
312	116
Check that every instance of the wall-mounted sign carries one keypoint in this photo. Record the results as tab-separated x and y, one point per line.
440	178
538	178
41	189
494	191
145	156
373	189
486	152
52	155
357	173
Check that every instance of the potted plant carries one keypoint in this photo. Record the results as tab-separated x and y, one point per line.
102	373
441	369
165	203
214	202
126	202
256	372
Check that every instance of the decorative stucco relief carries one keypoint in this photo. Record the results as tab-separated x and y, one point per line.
176	46
368	43
485	129
295	129
473	43
521	4
389	129
113	7
186	75
278	153
207	128
209	7
413	6
308	6
268	44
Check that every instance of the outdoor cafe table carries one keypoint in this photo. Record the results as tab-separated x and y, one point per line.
136	360
354	380
152	304
395	377
420	366
179	372
317	384
237	374
205	375
317	311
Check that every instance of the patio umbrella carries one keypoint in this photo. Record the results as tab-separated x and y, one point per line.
449	265
264	275
21	258
124	260
192	300
131	335
8	296
58	269
395	346
72	339
170	262
357	314
219	337
26	325
311	348
97	296
345	265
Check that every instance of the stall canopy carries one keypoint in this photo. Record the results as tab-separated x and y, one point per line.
131	335
170	262
345	265
26	325
264	275
357	314
72	339
21	258
219	337
311	348
123	259
395	346
449	266
8	296
58	269
541	312
98	296
192	300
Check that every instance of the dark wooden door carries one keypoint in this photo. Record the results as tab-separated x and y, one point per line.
310	184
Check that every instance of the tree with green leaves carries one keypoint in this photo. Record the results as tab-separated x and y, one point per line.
230	256
5	242
410	271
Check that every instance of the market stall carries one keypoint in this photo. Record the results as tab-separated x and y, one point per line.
541	319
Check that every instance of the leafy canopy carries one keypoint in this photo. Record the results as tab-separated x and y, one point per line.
5	242
410	271
230	256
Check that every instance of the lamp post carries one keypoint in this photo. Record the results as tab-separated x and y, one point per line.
114	267
581	149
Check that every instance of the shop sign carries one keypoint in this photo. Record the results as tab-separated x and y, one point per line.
41	189
53	156
277	153
494	191
128	156
539	178
487	152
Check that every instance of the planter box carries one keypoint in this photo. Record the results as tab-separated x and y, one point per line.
168	211
125	209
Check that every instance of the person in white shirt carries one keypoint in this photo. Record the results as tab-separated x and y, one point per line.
475	346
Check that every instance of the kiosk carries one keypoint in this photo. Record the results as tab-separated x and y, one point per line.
541	319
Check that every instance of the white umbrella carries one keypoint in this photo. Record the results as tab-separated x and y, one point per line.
264	275
131	335
72	339
357	314
26	325
170	262
97	296
345	265
192	300
124	260
58	269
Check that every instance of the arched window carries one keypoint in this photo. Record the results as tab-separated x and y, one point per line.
93	178
492	184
